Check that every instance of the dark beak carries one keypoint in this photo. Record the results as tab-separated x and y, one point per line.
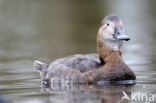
120	35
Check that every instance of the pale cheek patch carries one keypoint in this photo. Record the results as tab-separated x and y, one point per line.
110	31
106	33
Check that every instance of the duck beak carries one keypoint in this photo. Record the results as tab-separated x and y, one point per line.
120	35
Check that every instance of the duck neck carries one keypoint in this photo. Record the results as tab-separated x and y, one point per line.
106	53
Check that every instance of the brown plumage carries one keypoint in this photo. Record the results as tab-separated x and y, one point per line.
107	65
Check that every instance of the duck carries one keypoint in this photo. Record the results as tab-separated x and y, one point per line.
105	67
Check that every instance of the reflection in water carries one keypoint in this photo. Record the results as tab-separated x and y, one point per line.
89	93
50	29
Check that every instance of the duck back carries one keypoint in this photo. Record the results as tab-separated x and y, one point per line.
80	62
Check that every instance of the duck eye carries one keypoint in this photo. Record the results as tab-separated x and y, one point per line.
107	24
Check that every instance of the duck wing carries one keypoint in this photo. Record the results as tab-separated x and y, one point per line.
68	69
80	62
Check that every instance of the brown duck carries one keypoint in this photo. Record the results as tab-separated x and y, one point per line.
105	67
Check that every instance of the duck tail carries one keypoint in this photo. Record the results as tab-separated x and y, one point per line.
40	66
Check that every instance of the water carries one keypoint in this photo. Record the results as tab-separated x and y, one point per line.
50	29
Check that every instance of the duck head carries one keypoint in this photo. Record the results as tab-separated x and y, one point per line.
111	33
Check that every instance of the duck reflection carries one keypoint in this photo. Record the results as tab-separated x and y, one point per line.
76	93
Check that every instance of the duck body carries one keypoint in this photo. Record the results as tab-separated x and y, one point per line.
80	62
107	65
68	69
